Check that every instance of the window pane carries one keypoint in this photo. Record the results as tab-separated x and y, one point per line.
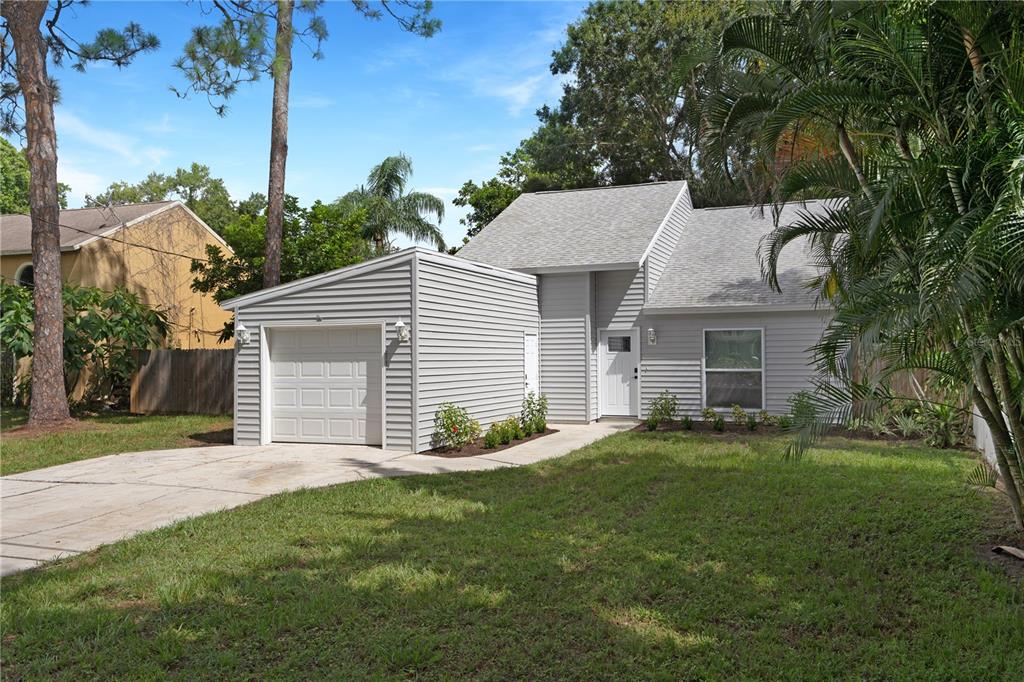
734	349
725	389
618	344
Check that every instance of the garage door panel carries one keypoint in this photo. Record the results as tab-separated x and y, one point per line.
326	385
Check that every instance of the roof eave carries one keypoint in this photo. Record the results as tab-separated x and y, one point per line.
734	308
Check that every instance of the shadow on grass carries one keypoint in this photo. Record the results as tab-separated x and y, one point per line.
630	559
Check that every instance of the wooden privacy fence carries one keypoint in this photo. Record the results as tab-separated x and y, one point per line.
191	381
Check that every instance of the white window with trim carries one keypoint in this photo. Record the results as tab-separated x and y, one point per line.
734	368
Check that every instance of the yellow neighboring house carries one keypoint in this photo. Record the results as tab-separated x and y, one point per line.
145	248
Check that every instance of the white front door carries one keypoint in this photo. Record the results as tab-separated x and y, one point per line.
620	365
326	385
531	362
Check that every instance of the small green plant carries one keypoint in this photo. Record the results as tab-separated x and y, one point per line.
664	407
651	423
686	422
719	423
943	426
907	425
453	427
739	415
982	475
492	438
801	406
534	412
752	422
784	421
878	424
709	415
765	418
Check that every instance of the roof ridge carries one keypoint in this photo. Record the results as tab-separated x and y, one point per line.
788	203
588	189
116	206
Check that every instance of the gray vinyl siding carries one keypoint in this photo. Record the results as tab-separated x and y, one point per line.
665	242
620	298
674	364
593	405
564	337
470	324
383	294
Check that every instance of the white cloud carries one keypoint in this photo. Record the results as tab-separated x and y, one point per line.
125	146
161	127
81	182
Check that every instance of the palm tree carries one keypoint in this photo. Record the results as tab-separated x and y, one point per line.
389	210
922	252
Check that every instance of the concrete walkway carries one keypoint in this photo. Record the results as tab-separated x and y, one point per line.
73	508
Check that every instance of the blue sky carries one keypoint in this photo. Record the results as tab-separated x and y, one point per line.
454	103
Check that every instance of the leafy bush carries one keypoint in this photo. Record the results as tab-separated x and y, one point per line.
651	423
535	412
784	421
492	438
453	426
766	418
664	407
751	422
509	430
943	426
802	408
101	329
907	425
686	422
709	415
719	423
739	415
878	424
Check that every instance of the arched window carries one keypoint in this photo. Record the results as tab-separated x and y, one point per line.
26	275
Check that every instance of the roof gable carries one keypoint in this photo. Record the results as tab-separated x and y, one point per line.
716	263
598	228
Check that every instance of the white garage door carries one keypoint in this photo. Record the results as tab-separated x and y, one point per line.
326	385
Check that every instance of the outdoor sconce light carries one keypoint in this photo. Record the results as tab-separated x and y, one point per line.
402	331
652	337
242	334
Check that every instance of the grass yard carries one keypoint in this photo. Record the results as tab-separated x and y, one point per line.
103	434
643	556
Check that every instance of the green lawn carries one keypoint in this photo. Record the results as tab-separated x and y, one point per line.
104	434
643	556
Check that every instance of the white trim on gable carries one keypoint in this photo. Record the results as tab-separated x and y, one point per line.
685	189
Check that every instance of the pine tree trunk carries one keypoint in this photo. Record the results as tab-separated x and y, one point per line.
49	403
282	69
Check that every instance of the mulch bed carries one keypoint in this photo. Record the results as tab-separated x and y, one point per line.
477	447
732	430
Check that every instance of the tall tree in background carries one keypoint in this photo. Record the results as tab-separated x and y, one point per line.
389	210
14	181
27	42
204	194
241	48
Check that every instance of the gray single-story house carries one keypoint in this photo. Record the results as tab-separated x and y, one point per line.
599	298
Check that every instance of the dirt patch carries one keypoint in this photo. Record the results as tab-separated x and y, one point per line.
477	447
66	426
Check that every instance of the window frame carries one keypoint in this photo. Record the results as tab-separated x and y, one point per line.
21	270
704	367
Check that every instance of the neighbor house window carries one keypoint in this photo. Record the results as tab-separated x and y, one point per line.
26	275
734	368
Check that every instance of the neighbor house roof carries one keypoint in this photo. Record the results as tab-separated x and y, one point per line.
604	227
79	226
716	263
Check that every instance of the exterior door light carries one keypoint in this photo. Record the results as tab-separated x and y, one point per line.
652	337
402	331
242	334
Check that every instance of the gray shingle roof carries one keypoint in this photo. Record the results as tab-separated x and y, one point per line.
716	261
575	228
77	225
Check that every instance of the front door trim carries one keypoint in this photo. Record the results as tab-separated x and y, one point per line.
634	332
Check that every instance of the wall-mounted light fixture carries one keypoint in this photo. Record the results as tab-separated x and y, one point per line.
402	331
242	335
652	337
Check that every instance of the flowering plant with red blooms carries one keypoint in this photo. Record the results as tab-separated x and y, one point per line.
453	427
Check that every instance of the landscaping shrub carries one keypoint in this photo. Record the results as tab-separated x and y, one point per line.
509	430
766	418
784	421
453	427
801	407
709	415
719	423
751	422
535	412
907	425
492	438
664	408
652	423
943	426
686	422
739	415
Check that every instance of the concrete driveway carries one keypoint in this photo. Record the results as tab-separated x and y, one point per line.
73	508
